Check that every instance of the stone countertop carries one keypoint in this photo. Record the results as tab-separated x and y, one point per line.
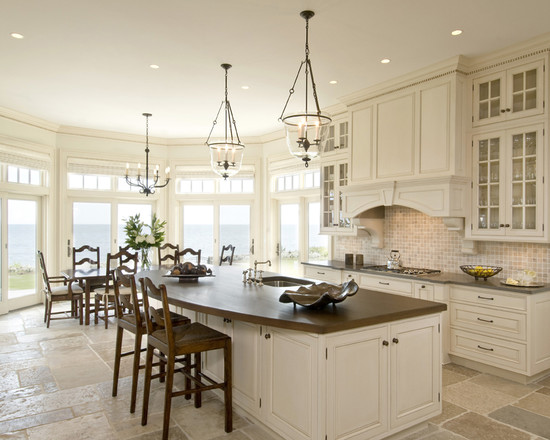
442	278
226	296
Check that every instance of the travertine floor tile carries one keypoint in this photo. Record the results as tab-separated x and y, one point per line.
504	386
476	398
537	403
450	411
544	390
85	374
35	375
545	382
19	435
35	420
256	432
19	347
91	427
20	392
235	435
476	427
9	380
7	339
522	419
464	371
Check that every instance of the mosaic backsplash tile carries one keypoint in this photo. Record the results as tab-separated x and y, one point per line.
424	241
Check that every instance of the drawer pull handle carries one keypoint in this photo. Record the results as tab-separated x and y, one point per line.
385	284
320	273
483	348
485	297
490	321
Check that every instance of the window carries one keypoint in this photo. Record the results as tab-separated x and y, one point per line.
297	181
123	186
89	182
237	186
195	186
317	244
23	175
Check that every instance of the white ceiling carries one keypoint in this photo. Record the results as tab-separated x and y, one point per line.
85	63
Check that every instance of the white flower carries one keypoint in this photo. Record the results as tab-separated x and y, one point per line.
150	239
139	239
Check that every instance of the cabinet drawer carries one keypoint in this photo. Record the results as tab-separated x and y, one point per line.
489	297
490	321
387	284
323	274
492	351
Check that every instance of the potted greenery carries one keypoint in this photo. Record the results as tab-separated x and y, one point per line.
143	237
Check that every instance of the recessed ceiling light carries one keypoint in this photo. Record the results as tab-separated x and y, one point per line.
385	61
456	32
16	35
245	87
333	82
154	66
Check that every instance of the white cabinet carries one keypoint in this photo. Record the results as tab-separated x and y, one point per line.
399	286
323	274
337	137
246	360
509	201
334	176
290	380
509	94
396	365
501	329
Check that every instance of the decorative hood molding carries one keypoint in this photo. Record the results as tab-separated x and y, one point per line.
446	196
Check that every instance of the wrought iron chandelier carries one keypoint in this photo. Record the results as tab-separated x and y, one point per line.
305	130
226	156
147	185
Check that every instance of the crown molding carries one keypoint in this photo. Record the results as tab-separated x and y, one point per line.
28	119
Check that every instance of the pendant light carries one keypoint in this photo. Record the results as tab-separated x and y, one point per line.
226	156
147	185
305	130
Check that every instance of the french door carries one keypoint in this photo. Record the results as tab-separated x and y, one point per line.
20	235
210	226
102	224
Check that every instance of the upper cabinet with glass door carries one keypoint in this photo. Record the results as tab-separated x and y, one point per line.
337	139
334	176
513	93
509	188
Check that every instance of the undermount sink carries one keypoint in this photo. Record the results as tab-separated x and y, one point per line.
282	281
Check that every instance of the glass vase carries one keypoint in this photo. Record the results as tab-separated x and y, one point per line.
145	259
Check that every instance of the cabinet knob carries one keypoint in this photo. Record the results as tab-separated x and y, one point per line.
502	225
395	341
385	343
267	336
503	111
508	110
423	286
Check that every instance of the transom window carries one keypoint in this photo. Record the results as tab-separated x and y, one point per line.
90	182
210	186
297	181
23	175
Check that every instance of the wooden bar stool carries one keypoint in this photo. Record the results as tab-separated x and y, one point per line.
228	258
131	318
174	342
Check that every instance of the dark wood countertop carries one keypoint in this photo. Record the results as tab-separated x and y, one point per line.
226	296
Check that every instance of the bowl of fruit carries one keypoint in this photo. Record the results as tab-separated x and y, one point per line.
480	271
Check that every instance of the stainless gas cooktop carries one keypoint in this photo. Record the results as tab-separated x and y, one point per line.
403	270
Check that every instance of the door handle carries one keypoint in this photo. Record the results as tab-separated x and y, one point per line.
278	251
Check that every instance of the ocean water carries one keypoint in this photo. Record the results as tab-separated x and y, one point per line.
21	240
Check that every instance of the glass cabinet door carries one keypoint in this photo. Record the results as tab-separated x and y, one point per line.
328	196
525	175
489	198
343	222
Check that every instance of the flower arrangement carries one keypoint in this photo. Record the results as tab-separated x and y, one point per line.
143	237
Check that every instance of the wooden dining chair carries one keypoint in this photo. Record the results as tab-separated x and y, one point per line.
183	345
228	258
180	255
90	256
131	318
104	299
69	291
171	255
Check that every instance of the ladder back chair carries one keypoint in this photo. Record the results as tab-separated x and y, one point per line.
69	291
171	343
180	255
170	255
131	318
105	298
228	258
90	256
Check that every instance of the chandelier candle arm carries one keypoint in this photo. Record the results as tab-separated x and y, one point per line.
145	187
305	131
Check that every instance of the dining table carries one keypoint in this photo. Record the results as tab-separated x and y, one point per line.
90	278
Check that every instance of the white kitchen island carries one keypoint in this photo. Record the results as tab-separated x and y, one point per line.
366	369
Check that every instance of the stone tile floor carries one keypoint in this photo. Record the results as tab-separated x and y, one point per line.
56	384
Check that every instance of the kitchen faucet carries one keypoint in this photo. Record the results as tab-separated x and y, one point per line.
256	262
